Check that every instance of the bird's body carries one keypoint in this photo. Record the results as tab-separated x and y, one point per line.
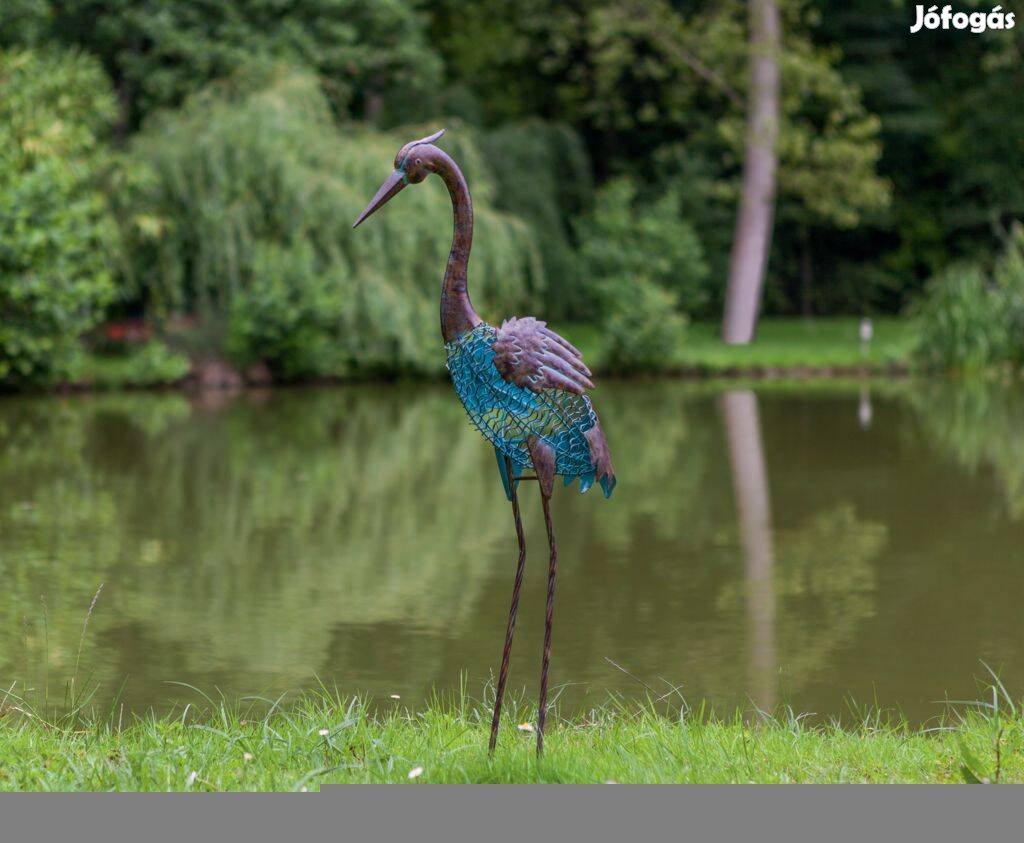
522	385
510	415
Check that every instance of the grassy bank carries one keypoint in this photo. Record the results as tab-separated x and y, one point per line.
783	347
321	739
791	346
832	343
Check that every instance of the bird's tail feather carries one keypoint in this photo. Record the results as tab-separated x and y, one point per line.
506	481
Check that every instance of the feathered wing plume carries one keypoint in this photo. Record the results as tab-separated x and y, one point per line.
529	354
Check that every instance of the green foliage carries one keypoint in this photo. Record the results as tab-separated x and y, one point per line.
642	328
25	22
288	313
829	145
659	94
542	174
884	178
160	51
828	156
950	128
239	208
1008	277
620	72
152	364
972	320
960	325
641	263
627	237
54	225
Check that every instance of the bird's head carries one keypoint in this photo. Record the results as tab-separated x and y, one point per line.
413	163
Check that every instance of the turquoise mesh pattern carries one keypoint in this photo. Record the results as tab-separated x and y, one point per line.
507	414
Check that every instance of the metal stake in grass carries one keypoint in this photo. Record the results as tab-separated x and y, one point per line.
523	386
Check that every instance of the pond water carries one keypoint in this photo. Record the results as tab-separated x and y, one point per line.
801	545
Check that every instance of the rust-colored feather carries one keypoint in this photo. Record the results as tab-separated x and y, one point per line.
531	355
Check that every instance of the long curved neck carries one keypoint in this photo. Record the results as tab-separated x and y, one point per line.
457	314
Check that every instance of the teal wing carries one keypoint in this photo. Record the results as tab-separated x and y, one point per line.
523	381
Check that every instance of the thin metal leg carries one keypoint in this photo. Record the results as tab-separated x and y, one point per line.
513	610
542	711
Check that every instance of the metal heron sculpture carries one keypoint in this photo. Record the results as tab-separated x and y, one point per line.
523	387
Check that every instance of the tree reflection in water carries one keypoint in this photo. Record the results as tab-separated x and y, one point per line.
754	511
763	548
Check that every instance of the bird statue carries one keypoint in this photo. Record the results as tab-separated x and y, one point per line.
523	387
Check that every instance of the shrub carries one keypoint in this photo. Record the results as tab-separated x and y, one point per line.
55	227
641	262
239	210
642	328
625	238
150	364
1009	283
287	314
972	320
960	323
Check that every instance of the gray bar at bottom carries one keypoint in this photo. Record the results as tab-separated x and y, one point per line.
593	813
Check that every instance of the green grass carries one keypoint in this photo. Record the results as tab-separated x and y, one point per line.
802	343
827	346
321	738
782	346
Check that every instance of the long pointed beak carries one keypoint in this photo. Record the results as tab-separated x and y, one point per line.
392	185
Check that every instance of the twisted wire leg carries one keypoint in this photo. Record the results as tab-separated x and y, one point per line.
542	709
512	612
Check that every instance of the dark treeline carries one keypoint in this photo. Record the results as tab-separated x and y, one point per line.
196	164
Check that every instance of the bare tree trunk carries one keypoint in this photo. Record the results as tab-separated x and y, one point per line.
752	238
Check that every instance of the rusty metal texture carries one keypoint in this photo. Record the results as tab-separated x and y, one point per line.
523	387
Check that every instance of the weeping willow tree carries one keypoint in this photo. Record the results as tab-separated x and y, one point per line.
239	210
545	178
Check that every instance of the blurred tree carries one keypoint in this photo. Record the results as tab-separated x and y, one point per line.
984	143
827	145
25	21
626	238
660	94
55	227
753	233
972	319
829	150
238	209
952	136
569	94
542	174
159	51
625	73
641	325
641	264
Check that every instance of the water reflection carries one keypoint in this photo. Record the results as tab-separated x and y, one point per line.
767	547
981	426
865	413
753	508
